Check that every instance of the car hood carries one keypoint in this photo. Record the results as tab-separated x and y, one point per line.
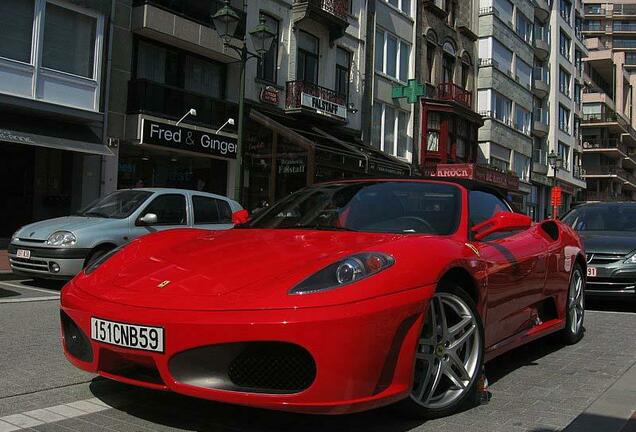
240	269
43	229
610	242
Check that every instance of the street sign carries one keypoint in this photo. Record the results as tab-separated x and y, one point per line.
412	91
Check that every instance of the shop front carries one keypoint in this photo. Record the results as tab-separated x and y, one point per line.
157	153
283	156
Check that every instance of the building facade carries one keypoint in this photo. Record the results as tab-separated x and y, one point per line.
54	86
609	137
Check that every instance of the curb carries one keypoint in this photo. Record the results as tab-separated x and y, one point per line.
613	411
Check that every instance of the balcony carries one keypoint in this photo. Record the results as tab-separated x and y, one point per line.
624	10
541	46
611	171
578	173
540	161
332	13
594	27
148	97
541	85
540	127
609	147
452	92
595	10
304	97
542	9
601	196
624	27
616	123
184	24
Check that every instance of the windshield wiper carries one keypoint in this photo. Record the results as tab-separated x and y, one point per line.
325	228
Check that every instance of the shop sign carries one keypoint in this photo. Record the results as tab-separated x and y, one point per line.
291	166
474	172
556	196
323	106
269	95
165	135
15	137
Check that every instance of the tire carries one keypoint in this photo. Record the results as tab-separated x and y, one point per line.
436	350
95	255
574	308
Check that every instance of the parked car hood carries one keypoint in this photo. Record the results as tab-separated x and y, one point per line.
43	229
610	242
240	269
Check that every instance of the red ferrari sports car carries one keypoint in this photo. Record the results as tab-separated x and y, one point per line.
342	297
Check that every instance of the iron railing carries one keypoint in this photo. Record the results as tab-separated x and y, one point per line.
338	8
453	92
295	89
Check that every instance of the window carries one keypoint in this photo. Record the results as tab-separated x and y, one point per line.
432	134
462	138
524	73
430	61
505	10
578	61
577	126
16	21
491	48
577	93
499	164
522	166
466	71
564	82
390	130
343	67
392	55
564	119
564	152
403	5
524	27
211	211
565	9
542	32
484	205
502	108
450	6
169	208
523	119
69	41
448	62
268	66
307	62
564	45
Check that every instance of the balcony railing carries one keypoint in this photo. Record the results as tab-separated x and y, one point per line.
610	170
338	8
593	26
578	173
295	90
606	117
453	92
606	144
199	11
593	10
624	26
149	97
624	9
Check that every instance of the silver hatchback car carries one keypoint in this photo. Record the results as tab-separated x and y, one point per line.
60	248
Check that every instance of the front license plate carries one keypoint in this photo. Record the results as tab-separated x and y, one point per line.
23	253
127	335
591	271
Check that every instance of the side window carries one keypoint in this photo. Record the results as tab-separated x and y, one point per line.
211	211
169	208
484	205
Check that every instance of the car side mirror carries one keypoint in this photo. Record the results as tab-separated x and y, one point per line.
240	217
148	219
501	222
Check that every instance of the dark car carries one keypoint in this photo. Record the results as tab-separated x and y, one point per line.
608	231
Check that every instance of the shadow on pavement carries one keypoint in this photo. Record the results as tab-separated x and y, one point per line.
4	293
44	283
611	304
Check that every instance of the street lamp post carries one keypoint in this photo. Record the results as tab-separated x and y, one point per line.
555	162
226	22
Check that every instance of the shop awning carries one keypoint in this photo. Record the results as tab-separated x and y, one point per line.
51	134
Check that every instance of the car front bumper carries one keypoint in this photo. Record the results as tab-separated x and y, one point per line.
612	279
47	263
363	352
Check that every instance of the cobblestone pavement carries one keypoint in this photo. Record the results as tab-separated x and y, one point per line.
538	388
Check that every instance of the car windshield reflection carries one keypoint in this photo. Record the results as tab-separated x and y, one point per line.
603	217
383	207
117	205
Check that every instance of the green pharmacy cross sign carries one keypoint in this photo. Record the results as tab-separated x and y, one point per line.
412	91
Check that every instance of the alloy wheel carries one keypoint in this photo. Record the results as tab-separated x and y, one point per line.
576	302
448	353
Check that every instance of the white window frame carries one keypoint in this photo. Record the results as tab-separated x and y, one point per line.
37	70
400	41
400	7
396	134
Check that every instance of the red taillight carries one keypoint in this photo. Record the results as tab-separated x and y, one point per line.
240	217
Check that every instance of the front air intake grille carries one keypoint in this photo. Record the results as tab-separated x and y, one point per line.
273	366
75	341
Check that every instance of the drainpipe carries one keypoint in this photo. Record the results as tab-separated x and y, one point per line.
109	64
367	96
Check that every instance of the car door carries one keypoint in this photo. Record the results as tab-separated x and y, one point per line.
171	211
211	213
516	270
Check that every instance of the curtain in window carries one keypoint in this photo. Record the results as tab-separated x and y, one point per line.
389	129
502	55
403	138
376	126
69	41
151	62
203	77
16	22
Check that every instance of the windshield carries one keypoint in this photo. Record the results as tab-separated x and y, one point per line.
387	207
117	205
606	217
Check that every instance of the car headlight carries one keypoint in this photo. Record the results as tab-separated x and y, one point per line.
344	272
101	260
631	258
15	235
61	238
